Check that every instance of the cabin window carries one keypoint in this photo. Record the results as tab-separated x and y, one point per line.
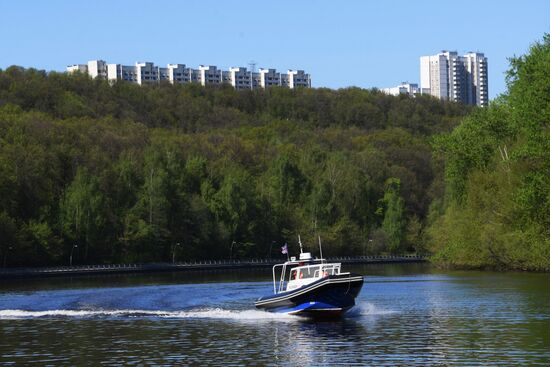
331	269
293	275
309	272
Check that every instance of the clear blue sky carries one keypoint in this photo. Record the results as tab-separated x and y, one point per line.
341	43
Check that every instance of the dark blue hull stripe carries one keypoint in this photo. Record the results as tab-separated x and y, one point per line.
335	295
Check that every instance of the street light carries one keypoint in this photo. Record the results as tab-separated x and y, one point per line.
270	249
71	257
6	255
231	250
174	253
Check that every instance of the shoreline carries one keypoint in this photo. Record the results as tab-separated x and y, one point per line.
64	271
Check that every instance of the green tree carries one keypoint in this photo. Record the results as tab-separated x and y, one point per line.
393	209
497	163
8	237
82	210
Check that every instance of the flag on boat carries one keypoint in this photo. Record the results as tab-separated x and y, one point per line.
284	249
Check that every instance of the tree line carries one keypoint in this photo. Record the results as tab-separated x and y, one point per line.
127	173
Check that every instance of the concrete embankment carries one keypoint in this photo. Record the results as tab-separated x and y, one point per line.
187	266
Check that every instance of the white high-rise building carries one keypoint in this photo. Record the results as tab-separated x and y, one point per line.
434	76
149	73
456	78
476	68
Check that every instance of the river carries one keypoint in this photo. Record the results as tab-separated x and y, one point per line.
406	315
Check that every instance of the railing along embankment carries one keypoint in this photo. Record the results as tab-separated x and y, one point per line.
190	265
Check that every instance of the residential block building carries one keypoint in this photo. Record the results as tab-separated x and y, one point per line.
449	76
95	68
240	78
403	88
83	68
148	73
121	72
269	77
298	78
210	75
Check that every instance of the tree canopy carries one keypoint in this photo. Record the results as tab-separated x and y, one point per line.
124	173
497	176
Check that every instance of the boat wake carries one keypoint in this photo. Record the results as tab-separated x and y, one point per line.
361	309
368	309
205	313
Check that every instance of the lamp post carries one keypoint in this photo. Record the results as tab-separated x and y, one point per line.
174	253
370	245
270	249
71	257
6	255
231	250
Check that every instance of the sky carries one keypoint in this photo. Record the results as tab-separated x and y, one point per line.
341	43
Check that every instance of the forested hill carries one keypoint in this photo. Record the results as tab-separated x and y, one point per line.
191	108
125	173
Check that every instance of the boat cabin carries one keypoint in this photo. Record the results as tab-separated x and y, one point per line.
303	275
304	271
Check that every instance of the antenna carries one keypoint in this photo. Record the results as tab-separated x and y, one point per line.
321	249
300	242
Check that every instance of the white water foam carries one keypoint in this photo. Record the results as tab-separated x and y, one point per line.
207	313
368	309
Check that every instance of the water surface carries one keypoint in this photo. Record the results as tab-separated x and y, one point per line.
408	315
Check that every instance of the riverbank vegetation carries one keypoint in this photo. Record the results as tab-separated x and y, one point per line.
128	173
496	209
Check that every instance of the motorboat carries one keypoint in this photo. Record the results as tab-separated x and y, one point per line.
311	287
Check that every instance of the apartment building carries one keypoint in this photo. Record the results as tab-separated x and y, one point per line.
94	68
82	68
403	88
269	78
449	76
97	69
148	73
121	72
210	75
475	64
240	78
298	78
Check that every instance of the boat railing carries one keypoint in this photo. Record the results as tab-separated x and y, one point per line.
282	278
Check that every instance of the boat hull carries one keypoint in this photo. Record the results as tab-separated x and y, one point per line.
327	297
